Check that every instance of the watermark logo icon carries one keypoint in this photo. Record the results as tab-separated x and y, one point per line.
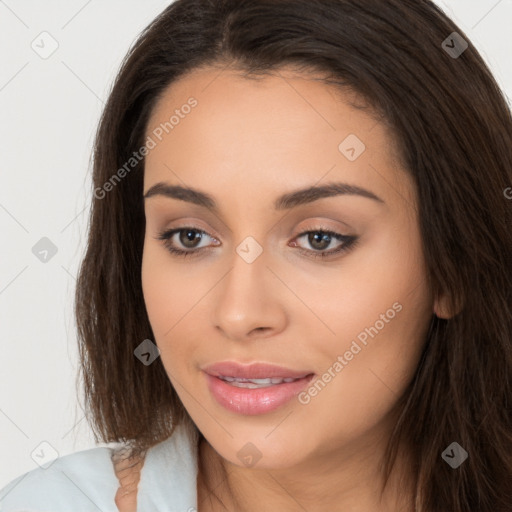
44	250
44	455
147	352
249	249
249	455
454	455
352	147
45	45
454	45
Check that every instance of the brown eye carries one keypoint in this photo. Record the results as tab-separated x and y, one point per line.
320	239
189	238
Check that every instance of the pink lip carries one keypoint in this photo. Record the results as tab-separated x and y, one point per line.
252	371
254	401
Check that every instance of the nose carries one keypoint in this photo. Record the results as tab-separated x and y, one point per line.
248	302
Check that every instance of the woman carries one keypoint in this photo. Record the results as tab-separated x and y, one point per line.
297	287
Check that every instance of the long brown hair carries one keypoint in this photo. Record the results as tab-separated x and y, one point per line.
453	130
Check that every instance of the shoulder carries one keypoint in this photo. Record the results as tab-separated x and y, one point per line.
83	481
86	481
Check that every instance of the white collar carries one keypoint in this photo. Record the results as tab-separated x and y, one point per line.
168	479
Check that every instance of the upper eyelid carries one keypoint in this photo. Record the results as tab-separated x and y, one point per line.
344	229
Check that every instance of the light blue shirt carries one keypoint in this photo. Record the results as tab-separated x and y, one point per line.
86	481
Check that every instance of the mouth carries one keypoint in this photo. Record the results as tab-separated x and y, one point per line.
256	388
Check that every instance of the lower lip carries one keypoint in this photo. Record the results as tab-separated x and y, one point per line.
254	401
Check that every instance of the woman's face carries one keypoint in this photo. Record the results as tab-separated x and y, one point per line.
251	290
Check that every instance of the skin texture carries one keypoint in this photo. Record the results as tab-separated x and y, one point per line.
246	143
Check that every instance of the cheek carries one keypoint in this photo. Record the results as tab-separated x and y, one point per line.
371	371
167	292
367	368
385	273
382	323
156	292
172	297
379	308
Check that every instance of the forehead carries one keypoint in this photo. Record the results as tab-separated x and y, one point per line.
280	100
275	130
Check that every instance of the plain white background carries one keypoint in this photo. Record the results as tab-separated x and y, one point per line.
50	108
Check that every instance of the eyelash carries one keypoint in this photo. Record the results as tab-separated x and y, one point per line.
350	242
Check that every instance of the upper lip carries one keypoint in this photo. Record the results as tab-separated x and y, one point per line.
252	371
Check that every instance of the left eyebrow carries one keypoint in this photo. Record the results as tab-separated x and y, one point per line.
284	202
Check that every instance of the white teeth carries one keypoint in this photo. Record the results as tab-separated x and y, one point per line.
265	381
255	383
249	385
